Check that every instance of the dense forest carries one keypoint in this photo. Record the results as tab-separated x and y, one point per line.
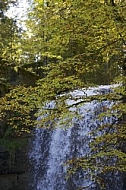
63	45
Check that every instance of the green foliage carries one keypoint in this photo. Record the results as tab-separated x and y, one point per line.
68	45
8	36
107	145
8	32
85	32
11	142
17	106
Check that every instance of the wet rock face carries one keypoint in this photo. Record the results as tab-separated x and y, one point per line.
4	162
13	170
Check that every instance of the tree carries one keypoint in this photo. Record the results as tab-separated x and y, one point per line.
63	30
70	42
89	37
8	35
9	39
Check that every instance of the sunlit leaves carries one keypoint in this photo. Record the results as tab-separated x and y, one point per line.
77	43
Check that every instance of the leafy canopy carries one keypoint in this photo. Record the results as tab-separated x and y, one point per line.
69	45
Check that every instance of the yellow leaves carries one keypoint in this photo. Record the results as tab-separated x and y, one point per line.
39	8
16	108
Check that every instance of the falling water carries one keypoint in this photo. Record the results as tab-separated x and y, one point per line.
50	149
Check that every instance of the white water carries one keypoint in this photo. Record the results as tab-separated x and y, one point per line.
52	148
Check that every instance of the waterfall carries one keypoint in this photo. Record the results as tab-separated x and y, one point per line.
50	149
